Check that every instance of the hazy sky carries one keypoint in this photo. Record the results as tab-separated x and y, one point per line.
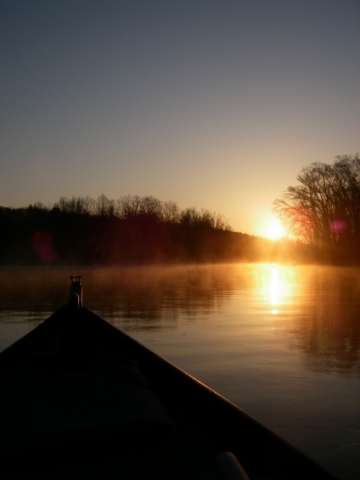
213	104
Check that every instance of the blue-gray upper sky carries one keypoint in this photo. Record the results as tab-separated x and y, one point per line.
215	104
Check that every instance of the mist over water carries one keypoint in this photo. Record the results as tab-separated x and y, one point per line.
280	341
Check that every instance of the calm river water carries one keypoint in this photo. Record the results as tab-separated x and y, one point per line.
281	342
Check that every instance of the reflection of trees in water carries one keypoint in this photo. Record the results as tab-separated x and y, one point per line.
156	297
143	297
328	329
33	289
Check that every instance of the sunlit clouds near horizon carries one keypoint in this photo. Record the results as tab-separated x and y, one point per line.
210	104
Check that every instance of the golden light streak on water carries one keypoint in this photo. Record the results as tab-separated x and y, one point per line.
277	286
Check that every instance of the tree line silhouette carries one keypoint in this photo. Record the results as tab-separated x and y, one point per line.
324	209
129	230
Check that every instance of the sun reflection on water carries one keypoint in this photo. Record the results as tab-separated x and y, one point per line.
277	287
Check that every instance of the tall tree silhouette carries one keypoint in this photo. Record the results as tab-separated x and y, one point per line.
324	209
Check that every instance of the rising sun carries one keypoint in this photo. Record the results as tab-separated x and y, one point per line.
273	229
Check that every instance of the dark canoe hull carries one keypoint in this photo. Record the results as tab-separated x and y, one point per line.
199	413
